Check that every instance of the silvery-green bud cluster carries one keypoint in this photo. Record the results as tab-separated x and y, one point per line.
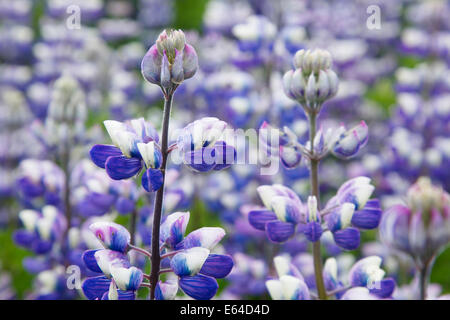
67	110
312	60
170	40
312	82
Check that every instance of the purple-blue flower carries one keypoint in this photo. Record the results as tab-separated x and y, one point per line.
135	145
201	146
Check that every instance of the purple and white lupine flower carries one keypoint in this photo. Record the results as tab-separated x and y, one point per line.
248	276
367	273
42	229
135	144
170	60
191	258
343	215
351	210
283	211
201	146
280	143
120	280
290	284
94	193
40	179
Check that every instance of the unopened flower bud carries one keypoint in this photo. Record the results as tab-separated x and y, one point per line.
421	228
170	60
313	81
350	142
312	60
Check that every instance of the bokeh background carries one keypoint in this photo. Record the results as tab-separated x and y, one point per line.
388	78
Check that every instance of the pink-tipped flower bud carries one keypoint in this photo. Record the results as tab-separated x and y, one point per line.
170	60
421	228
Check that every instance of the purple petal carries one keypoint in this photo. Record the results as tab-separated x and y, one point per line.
95	204
90	261
259	218
165	72
217	266
347	238
35	265
151	65
369	216
121	167
124	205
190	61
94	288
29	188
199	287
152	180
394	227
313	231
122	295
290	157
41	246
101	152
383	288
278	231
173	228
201	160
24	238
225	155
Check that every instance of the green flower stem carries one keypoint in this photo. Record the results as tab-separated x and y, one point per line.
156	257
314	181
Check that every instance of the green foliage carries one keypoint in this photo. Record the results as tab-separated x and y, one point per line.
202	217
11	257
383	93
189	13
441	271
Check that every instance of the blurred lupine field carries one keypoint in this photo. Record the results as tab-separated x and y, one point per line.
112	110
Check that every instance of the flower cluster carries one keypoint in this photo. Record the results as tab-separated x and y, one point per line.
295	79
365	281
188	257
343	215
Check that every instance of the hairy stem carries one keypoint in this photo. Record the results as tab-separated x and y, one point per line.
314	181
156	258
